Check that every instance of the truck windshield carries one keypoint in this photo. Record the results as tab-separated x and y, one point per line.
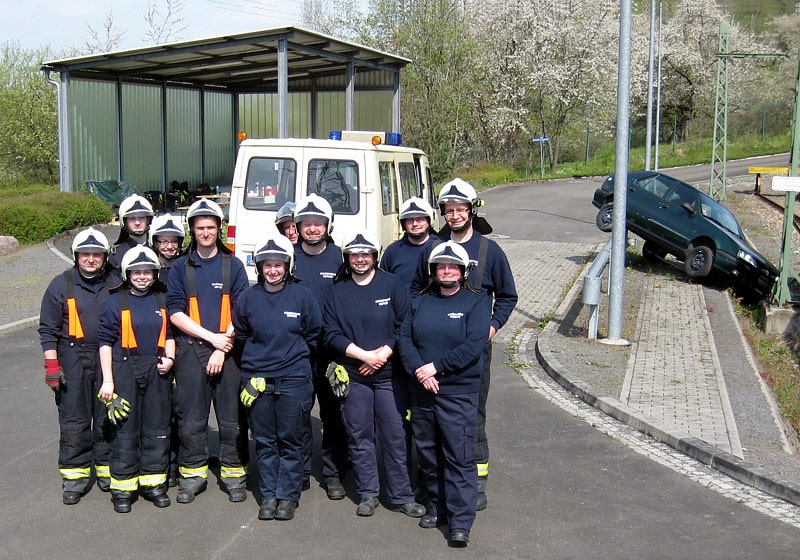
337	182
270	183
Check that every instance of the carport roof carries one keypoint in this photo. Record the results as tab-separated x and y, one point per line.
244	62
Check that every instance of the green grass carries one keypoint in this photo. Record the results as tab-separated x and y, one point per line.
603	161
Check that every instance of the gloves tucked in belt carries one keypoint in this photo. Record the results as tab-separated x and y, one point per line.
117	408
338	378
53	374
254	387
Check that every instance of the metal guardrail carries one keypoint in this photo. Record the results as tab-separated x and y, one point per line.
592	285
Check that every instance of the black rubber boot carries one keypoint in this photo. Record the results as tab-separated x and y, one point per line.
156	494
188	488
122	501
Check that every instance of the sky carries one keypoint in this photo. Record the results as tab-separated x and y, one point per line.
62	24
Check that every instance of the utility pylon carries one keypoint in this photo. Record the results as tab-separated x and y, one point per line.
719	152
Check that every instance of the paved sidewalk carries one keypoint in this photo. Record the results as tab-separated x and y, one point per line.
672	386
679	384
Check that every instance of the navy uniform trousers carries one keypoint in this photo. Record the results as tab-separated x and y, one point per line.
85	433
444	431
140	449
195	391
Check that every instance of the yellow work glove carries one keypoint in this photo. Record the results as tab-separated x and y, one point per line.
250	393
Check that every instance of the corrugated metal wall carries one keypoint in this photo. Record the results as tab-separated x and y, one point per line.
93	113
148	165
258	113
142	130
183	136
220	148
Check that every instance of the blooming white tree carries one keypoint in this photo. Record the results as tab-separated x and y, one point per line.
550	64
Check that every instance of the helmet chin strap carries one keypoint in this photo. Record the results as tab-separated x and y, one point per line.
417	236
448	284
465	226
364	272
139	292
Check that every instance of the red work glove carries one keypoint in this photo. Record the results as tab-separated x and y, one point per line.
53	374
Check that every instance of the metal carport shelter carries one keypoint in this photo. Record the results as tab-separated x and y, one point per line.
137	115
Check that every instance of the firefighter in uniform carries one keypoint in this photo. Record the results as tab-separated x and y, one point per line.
166	239
68	323
135	215
202	289
402	256
317	262
284	221
361	319
279	323
441	344
137	353
490	274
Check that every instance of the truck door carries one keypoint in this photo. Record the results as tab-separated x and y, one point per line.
388	228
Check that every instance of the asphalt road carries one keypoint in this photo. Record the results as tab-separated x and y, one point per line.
559	487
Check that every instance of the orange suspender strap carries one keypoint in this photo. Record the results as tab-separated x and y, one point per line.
225	304
128	342
162	335
75	329
128	338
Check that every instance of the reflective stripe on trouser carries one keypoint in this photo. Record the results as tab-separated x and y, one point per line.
200	472
125	484
481	442
83	424
152	479
194	392
277	423
141	442
483	469
102	471
373	413
444	432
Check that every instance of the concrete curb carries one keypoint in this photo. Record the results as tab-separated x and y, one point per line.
710	455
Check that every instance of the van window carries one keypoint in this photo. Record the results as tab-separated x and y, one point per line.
388	189
408	180
337	182
270	183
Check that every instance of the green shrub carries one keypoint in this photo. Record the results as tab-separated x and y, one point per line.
33	215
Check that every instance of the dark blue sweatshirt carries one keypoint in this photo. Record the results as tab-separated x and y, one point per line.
367	316
317	272
402	258
208	280
89	298
145	319
279	330
449	332
497	285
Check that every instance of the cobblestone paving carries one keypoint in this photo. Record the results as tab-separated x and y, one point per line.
662	383
542	272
